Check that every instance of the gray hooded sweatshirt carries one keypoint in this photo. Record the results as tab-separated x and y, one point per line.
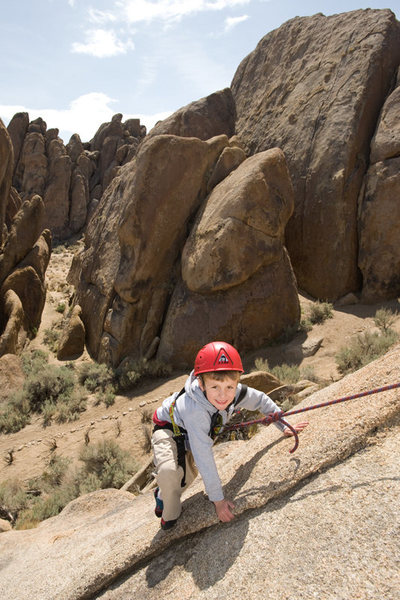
193	412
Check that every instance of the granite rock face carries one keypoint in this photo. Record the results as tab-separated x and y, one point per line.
379	253
315	88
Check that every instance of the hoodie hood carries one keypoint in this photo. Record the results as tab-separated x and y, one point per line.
192	388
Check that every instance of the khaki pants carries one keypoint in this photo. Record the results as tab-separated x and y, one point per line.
169	474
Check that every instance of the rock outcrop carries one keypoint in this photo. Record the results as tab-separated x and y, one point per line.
72	340
379	254
70	178
205	118
24	256
125	285
314	88
235	270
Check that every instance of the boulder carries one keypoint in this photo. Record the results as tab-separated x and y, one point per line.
379	252
205	118
30	289
314	88
261	380
241	227
248	315
229	160
13	323
5	525
39	256
237	282
72	340
24	232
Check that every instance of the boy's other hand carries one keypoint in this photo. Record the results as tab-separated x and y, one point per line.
298	427
223	510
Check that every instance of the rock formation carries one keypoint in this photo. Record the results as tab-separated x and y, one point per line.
379	255
125	284
204	118
314	88
24	256
71	178
72	341
235	270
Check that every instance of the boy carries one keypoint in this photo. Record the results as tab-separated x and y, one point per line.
184	425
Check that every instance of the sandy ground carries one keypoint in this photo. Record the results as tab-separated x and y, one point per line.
32	447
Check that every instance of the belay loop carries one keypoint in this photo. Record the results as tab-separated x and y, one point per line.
278	416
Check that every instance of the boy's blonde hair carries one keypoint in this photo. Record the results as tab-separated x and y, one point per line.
220	375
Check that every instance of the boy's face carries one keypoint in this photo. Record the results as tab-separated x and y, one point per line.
219	392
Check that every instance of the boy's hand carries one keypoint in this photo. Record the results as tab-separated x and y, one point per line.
223	510
298	427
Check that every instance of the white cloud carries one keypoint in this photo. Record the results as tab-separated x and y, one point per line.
84	115
171	10
102	43
231	22
101	16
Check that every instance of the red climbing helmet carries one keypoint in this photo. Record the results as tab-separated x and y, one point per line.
217	356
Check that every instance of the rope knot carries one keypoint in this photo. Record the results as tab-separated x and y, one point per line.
273	417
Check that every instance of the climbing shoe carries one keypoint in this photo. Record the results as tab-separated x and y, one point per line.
167	524
159	504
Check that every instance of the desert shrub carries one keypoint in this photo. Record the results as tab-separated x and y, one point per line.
15	415
61	307
285	373
318	312
305	325
50	385
51	337
309	374
13	497
34	361
108	462
70	410
363	349
384	319
55	471
131	371
96	376
43	507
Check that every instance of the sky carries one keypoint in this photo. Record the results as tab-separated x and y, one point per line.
76	63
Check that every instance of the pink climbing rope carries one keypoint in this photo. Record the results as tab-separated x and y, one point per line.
279	415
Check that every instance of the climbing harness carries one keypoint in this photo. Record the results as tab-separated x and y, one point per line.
279	415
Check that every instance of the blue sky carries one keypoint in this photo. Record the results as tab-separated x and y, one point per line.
76	63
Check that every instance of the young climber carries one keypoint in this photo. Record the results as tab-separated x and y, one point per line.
184	428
